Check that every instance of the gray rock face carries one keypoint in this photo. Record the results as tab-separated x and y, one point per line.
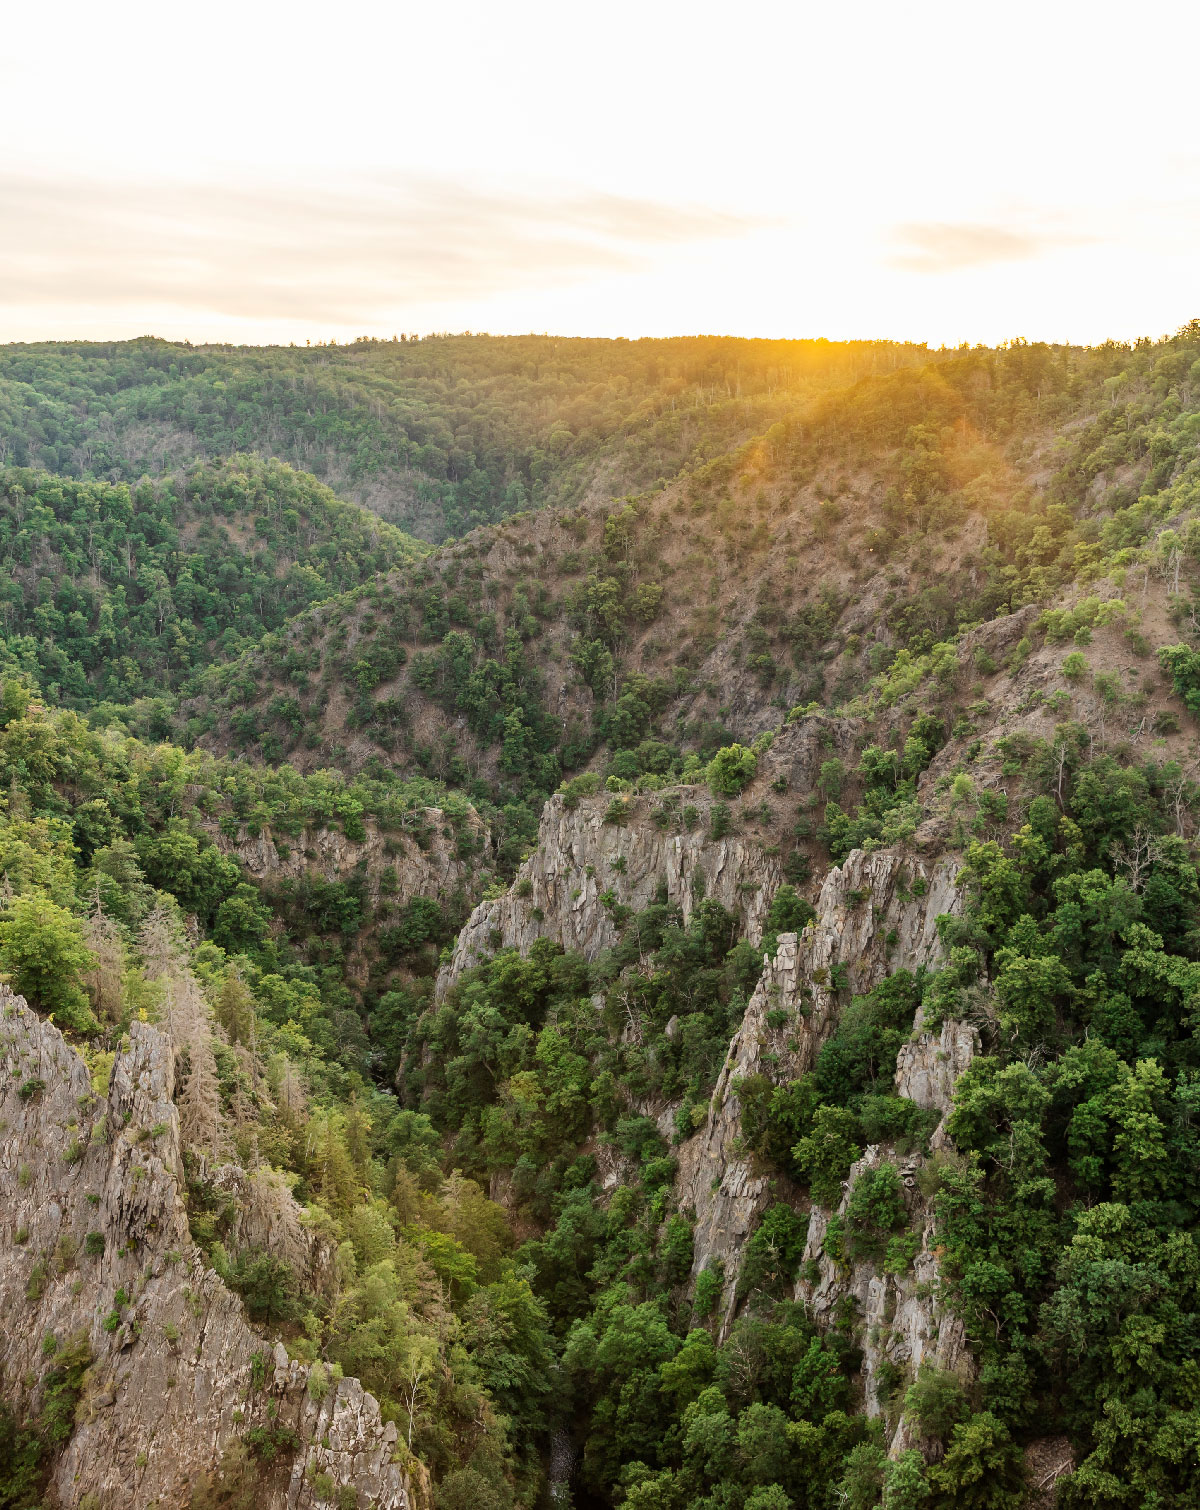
434	871
802	747
263	1214
929	1065
877	914
437	870
91	1205
579	857
900	1317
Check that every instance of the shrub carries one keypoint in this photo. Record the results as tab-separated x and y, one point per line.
773	1254
936	1402
731	770
710	1283
318	1381
874	1211
1182	665
586	785
63	1386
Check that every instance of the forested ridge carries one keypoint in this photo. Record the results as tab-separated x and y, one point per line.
115	593
262	753
439	434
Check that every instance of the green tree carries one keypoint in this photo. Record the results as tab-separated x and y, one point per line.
731	770
42	951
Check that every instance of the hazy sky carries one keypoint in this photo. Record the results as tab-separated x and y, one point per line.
268	172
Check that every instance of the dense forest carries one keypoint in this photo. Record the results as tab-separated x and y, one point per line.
115	593
438	435
764	604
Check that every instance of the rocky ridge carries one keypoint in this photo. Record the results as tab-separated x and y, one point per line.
877	913
96	1256
438	867
900	1320
582	855
638	848
429	871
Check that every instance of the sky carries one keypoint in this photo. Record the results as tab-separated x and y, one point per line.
936	172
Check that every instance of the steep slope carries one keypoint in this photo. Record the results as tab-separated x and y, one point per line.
117	1327
587	857
211	1128
876	914
833	1090
855	1150
879	520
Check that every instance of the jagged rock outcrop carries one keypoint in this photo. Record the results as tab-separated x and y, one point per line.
899	1316
800	749
439	866
95	1247
929	1064
260	1212
580	856
877	913
431	868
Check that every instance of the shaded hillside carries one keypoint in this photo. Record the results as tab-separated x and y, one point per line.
437	435
112	593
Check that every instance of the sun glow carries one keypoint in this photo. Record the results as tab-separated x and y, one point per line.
922	175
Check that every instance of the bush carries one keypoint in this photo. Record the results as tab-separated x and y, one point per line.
63	1386
827	1152
731	770
773	1254
586	785
20	1464
42	950
710	1283
1182	665
266	1284
874	1211
936	1401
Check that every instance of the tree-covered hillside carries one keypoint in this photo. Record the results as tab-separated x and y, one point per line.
641	1195
878	523
114	592
438	435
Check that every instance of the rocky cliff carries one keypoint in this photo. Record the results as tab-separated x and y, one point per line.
638	847
432	860
432	868
630	847
901	1320
96	1260
877	913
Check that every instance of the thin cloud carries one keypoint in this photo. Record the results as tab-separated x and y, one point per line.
949	248
318	252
